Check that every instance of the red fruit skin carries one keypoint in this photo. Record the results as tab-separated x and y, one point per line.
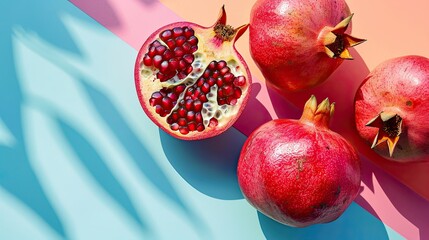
284	41
399	85
224	48
298	174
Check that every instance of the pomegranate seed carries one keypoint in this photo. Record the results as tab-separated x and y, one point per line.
200	82
221	101
216	74
165	35
173	64
188	32
170	120
161	77
224	71
168	54
189	104
159	109
197	93
160	49
198	117
178	51
205	88
228	77
151	52
156	96
193	49
221	64
166	103
213	122
163	92
202	98
180	40
182	112
181	75
175	116
171	43
220	93
179	89
177	31
219	82
192	126
237	92
157	61
211	81
184	130
193	40
200	127
155	43
174	126
152	102
198	106
182	122
228	90
189	69
164	67
240	81
172	96
206	73
186	47
182	64
231	100
189	58
189	91
212	65
190	116
147	61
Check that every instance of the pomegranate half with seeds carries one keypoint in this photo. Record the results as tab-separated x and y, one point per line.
190	79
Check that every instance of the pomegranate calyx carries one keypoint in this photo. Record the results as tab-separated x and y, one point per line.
336	42
389	126
226	32
318	115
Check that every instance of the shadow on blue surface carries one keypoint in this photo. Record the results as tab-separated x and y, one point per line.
16	174
355	223
97	168
208	165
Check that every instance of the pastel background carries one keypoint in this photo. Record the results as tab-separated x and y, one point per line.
80	160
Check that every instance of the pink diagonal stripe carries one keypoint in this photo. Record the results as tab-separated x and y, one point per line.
386	198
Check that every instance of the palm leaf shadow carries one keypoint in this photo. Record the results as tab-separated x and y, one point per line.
17	176
93	162
131	143
16	173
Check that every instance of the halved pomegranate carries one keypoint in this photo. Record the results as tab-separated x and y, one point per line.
190	79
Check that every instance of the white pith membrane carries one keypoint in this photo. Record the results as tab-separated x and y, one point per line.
202	57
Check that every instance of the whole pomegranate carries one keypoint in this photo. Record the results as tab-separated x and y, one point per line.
299	172
190	80
298	44
391	109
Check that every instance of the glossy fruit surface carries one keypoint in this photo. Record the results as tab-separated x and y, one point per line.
392	110
298	44
299	172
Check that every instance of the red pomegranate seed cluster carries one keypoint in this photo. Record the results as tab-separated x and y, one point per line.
187	117
175	58
166	99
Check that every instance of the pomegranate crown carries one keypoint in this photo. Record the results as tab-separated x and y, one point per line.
336	42
226	32
318	115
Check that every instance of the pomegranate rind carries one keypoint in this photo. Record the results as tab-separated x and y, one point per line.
400	86
305	175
